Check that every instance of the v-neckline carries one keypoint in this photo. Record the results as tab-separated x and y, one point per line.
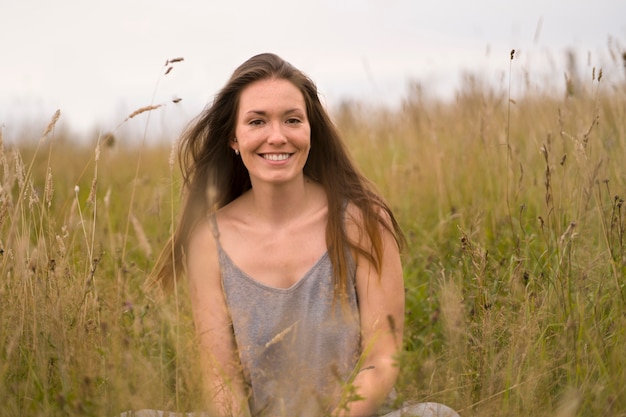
216	234
255	281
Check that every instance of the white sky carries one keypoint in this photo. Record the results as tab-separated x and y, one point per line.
97	61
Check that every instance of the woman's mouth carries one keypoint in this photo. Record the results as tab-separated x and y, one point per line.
276	156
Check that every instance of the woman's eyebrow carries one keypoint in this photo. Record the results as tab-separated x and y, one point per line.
264	113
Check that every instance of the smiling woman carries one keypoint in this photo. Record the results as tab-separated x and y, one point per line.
291	257
272	132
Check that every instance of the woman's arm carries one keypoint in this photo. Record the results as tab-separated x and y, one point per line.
224	385
381	307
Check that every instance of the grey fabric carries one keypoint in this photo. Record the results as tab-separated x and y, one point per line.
294	341
429	409
160	413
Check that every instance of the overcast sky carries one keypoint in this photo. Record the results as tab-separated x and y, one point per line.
97	61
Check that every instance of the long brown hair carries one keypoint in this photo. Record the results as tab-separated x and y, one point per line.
213	176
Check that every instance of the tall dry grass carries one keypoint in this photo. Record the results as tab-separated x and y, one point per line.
515	270
516	267
79	336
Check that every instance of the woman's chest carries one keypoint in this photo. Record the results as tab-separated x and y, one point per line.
278	260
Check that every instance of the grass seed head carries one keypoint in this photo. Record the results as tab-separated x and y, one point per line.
141	236
142	110
107	198
60	245
108	140
92	192
20	173
49	189
52	123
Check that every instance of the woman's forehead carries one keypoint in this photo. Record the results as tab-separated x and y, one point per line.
271	94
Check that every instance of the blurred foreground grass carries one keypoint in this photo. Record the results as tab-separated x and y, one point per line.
515	270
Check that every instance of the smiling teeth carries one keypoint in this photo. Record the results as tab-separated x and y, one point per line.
275	157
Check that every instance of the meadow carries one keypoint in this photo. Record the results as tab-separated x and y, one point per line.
515	268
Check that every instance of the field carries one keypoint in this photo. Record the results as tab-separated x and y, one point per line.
515	267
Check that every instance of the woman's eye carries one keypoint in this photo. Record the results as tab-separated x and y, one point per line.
256	122
293	121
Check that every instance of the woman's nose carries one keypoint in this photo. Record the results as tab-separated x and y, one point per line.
276	134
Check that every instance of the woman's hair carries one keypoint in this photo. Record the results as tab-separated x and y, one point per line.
213	175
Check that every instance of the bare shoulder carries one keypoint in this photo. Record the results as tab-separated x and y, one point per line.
202	236
355	222
202	258
231	214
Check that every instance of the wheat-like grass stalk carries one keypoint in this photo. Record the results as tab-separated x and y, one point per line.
141	236
149	108
142	110
24	178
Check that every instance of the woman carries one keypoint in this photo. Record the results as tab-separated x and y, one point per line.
292	259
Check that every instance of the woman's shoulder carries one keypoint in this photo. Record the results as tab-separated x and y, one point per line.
232	211
202	247
203	232
357	218
355	214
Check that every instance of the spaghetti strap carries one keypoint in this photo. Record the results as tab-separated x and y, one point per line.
214	229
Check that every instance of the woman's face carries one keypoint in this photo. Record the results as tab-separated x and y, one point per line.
273	132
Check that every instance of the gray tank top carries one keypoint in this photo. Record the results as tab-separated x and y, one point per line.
295	345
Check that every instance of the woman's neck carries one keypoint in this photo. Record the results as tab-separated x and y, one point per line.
279	204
